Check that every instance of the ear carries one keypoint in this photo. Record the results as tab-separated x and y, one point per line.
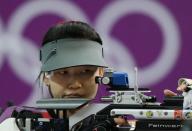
46	79
101	71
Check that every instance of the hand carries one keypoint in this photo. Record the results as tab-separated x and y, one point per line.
124	122
120	121
169	93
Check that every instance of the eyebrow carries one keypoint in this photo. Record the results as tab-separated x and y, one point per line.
80	68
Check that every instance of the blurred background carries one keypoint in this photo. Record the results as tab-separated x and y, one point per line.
155	36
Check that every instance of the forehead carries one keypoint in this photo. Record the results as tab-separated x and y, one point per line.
76	68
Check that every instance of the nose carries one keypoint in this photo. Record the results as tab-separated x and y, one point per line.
74	84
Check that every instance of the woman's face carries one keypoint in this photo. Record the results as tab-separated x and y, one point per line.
74	82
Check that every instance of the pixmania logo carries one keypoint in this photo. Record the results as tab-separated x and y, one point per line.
165	126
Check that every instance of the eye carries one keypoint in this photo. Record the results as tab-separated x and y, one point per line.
184	83
87	70
63	72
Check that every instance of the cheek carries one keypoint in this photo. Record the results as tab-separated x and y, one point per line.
90	88
56	89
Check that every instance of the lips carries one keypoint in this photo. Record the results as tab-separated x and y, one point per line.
72	96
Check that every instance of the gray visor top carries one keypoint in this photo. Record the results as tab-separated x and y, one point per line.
65	53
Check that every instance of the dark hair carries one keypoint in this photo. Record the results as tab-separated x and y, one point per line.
71	29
